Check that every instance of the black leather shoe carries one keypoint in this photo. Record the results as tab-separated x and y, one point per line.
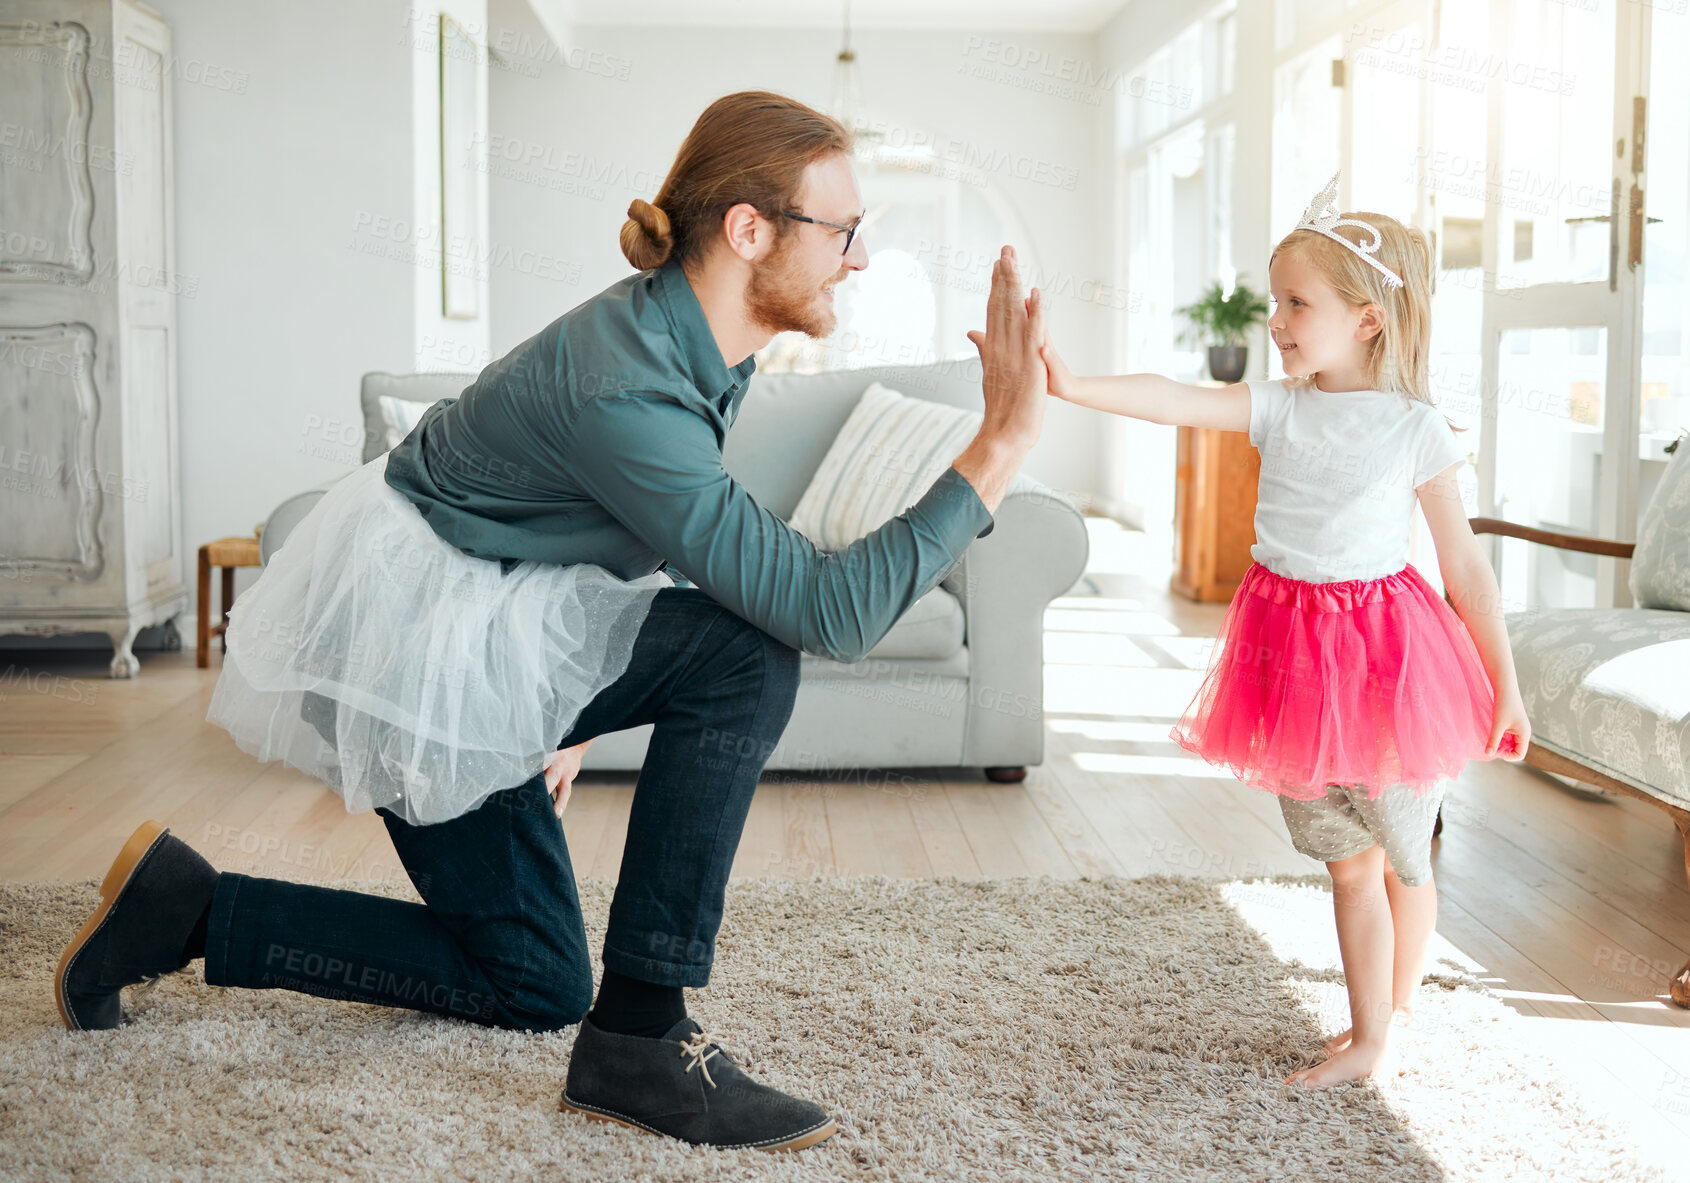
684	1086
149	902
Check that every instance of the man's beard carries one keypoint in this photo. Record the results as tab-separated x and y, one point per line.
779	299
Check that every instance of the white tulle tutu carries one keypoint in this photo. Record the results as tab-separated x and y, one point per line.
381	659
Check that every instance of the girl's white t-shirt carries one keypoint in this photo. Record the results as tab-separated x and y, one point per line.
1336	498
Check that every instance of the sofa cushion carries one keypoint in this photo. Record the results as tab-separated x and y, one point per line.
931	630
1607	688
907	672
890	451
787	421
1660	567
398	417
392	404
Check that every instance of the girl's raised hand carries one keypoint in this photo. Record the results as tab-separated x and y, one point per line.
1061	377
1510	731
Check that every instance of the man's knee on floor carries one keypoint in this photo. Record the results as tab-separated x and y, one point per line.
546	1005
538	988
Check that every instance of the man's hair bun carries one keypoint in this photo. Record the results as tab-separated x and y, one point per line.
646	238
749	148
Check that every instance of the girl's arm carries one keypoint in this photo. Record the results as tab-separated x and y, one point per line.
1152	397
1478	601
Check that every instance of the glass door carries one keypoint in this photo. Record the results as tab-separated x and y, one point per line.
1386	83
1559	281
1664	388
1385	114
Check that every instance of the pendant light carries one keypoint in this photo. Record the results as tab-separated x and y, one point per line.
848	93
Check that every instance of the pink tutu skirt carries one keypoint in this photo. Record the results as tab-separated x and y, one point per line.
1373	682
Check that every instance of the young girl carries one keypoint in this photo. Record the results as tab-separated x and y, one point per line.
1340	680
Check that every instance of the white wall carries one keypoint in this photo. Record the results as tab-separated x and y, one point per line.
577	135
307	195
438	338
271	175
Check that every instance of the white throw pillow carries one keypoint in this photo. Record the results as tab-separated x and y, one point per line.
1660	566
885	458
398	416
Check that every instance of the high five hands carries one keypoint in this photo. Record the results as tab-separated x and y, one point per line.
1014	377
1015	334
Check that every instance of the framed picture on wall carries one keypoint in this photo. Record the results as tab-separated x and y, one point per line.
459	215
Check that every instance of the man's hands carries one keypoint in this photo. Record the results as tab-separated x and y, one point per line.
1015	379
1016	346
561	768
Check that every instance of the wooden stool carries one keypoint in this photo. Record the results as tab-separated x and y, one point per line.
227	553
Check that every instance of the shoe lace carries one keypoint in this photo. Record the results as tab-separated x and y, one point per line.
700	1047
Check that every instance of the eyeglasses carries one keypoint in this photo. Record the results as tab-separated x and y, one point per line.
850	231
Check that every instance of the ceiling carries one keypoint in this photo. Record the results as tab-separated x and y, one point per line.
1072	16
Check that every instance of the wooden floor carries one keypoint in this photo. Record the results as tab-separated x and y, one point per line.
1573	907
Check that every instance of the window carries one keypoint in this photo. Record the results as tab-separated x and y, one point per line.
932	237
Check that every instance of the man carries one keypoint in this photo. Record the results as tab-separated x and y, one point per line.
615	415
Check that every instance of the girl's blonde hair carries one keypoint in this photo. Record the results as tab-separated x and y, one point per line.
1396	356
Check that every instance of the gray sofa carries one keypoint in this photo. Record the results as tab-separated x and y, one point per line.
958	682
1606	689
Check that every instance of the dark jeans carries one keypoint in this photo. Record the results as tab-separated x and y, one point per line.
499	939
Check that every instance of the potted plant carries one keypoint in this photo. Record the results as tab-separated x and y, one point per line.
1224	319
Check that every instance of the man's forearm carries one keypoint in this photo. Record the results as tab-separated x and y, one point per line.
990	465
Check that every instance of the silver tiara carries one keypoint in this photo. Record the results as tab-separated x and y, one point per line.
1322	217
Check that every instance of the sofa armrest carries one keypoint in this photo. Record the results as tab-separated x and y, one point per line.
1579	542
1036	551
285	518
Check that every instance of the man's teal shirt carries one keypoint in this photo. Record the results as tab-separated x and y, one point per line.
599	440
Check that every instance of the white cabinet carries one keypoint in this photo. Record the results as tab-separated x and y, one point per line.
90	528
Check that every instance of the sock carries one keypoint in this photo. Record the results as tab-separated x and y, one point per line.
629	1006
196	938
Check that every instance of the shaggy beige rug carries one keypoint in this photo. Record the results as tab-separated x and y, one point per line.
1037	1030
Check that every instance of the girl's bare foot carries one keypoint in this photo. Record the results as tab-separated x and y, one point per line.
1402	1017
1352	1062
